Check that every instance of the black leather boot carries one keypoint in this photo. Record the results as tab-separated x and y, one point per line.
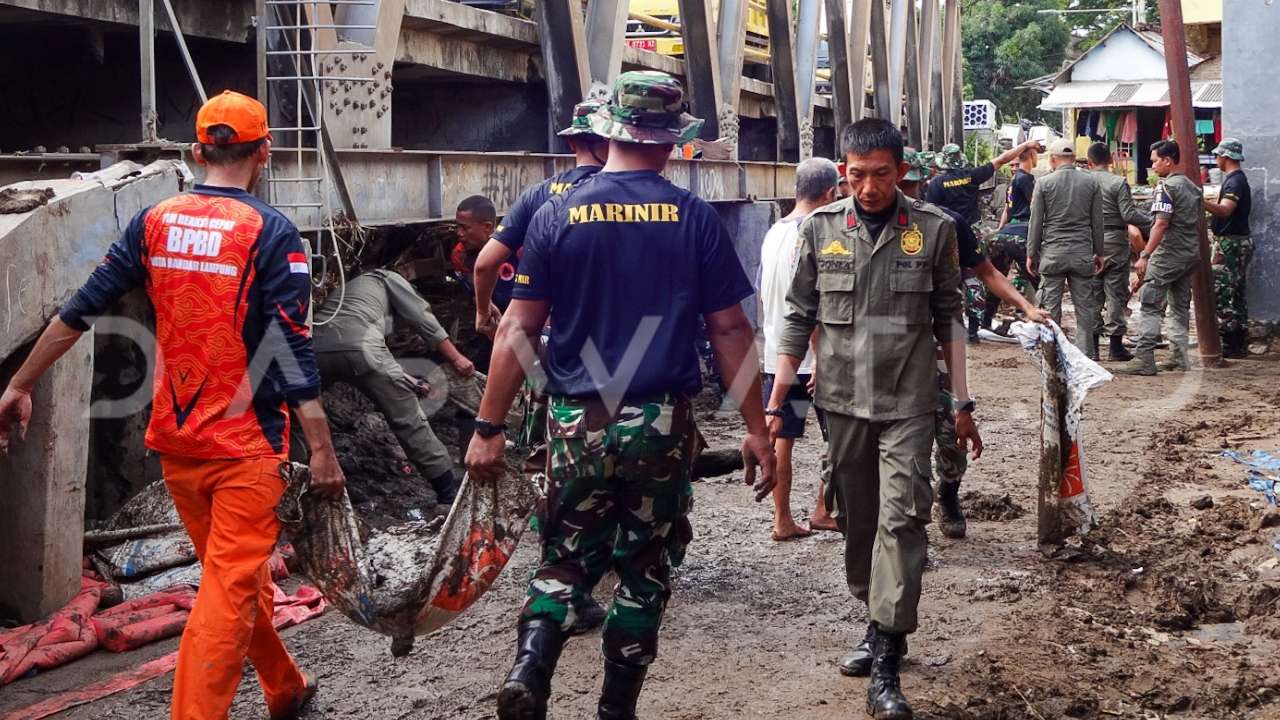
1119	353
1235	344
524	695
622	684
858	662
973	328
885	700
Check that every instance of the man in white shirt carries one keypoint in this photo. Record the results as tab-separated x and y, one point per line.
816	181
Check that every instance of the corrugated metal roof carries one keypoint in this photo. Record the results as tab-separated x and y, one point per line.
1152	93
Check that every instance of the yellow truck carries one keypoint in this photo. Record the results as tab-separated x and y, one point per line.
665	40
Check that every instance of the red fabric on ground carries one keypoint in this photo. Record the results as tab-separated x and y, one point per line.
290	610
65	636
144	620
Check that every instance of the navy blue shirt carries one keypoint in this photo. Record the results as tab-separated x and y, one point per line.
627	262
515	225
958	190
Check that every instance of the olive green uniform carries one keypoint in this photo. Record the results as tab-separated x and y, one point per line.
1168	278
882	305
351	347
1118	213
1064	235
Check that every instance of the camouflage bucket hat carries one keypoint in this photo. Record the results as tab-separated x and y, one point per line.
919	169
951	158
647	107
927	159
597	97
1230	148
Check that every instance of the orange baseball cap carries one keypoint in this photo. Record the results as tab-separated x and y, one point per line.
243	114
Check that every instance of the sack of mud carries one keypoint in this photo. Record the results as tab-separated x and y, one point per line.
1067	375
413	578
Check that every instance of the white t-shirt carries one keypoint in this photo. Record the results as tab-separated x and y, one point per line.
778	258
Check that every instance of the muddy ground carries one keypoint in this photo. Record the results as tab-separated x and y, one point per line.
1171	611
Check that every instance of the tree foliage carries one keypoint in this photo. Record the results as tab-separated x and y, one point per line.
1006	43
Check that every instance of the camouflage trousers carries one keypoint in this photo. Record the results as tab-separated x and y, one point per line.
949	461
1231	255
532	430
975	294
1008	251
618	497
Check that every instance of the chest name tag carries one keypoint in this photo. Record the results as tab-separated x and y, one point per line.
912	241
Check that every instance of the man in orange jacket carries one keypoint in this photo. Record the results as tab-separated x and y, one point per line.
231	287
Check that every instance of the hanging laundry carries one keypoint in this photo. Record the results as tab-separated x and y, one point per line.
1110	124
1129	128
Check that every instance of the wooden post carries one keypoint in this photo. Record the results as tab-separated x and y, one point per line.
147	55
806	71
701	65
951	75
1183	120
899	11
731	41
930	74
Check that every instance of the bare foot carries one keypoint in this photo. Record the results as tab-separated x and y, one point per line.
824	522
791	531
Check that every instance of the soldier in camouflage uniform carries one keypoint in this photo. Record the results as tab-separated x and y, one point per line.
636	262
1233	247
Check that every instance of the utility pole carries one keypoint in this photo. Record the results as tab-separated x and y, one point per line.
1183	121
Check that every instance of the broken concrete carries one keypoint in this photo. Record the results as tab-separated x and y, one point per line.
45	254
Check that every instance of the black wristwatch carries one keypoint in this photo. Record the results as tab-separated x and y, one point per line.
486	429
960	406
774	412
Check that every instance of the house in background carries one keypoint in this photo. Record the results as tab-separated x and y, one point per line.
1117	92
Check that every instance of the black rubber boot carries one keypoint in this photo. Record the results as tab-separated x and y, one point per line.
622	685
973	328
950	517
588	616
446	487
885	700
1093	354
1235	345
858	662
1119	353
524	695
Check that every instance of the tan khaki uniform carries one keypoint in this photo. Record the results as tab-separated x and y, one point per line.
882	304
1118	213
1168	280
1064	234
352	347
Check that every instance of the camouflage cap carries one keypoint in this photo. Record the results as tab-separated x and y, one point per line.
597	97
647	107
928	159
1230	148
919	171
951	158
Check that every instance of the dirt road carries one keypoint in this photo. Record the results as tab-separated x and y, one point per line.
1171	611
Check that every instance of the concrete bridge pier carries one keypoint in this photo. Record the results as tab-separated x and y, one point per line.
42	481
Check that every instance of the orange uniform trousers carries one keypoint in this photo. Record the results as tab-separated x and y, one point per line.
228	507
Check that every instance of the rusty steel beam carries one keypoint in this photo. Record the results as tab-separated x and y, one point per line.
784	80
931	73
880	61
899	11
1183	120
806	70
606	29
952	70
701	65
915	131
842	88
859	36
564	61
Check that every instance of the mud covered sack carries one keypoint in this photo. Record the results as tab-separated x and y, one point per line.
1067	375
414	578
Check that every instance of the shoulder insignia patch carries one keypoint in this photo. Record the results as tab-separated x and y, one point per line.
835	247
912	240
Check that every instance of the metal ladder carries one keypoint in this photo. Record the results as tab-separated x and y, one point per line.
299	71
